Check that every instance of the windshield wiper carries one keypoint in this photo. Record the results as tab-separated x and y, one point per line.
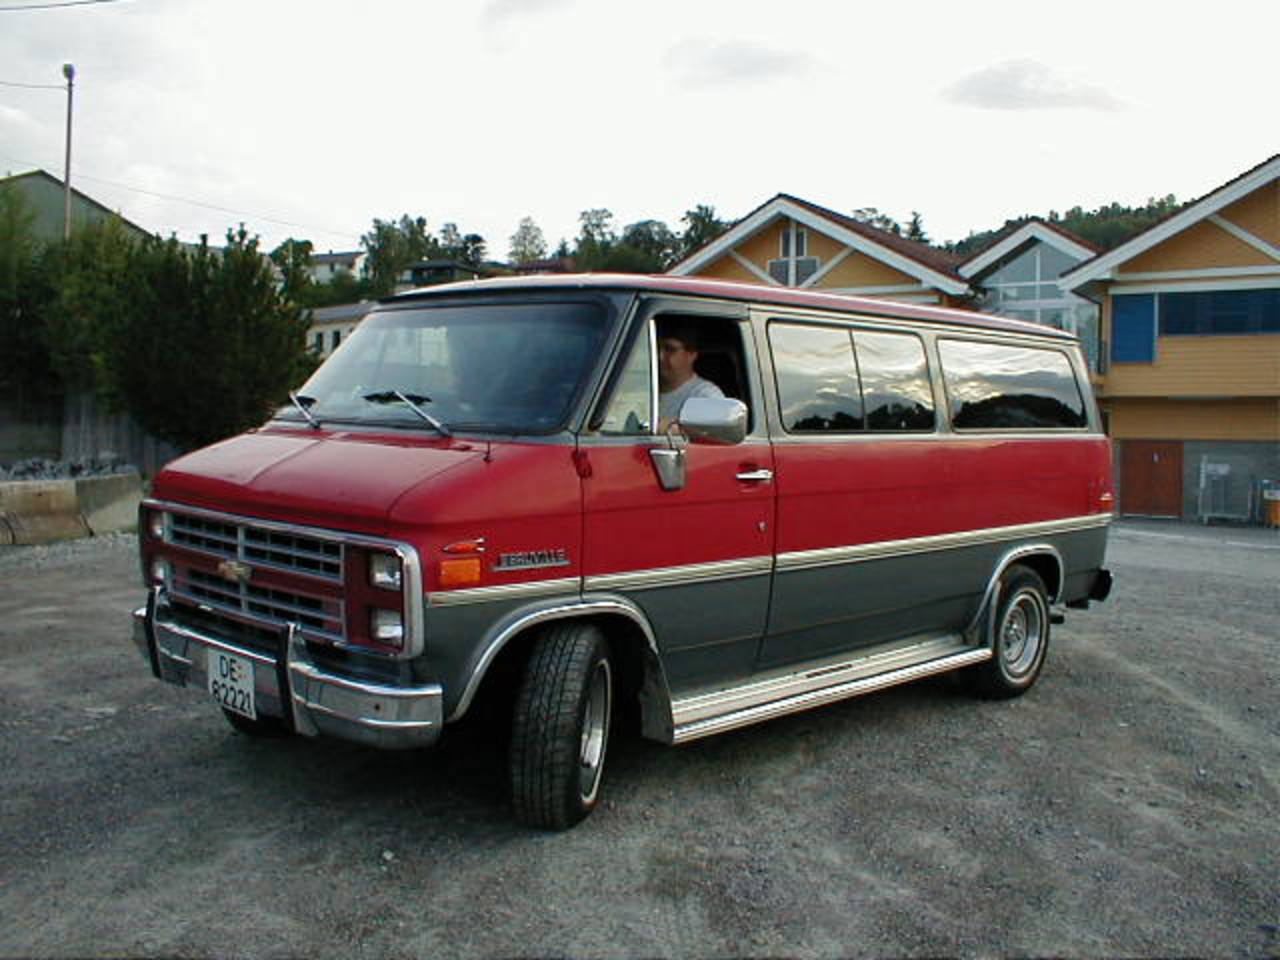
304	405
411	400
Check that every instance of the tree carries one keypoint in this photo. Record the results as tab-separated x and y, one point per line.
658	247
701	226
874	218
527	243
209	346
472	250
28	287
293	259
392	247
450	241
595	238
342	287
1106	227
915	229
91	298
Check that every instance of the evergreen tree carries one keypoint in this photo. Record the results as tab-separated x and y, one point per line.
210	346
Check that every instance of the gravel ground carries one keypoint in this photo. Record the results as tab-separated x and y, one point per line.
1126	806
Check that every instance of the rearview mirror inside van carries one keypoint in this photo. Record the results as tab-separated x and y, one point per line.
718	420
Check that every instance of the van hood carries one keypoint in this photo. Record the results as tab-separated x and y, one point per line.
336	480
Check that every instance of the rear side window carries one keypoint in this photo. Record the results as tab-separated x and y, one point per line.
836	380
993	386
817	379
895	381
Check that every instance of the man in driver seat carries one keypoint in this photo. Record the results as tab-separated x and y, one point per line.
677	353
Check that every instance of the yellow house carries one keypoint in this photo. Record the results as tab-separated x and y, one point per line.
1190	318
794	243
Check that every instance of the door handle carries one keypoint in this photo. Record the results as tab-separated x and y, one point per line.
756	476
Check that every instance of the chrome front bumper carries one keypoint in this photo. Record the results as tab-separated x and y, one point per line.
313	700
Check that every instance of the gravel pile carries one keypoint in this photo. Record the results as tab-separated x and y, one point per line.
88	551
38	468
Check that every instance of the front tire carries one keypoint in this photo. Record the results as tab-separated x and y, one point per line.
560	727
1019	637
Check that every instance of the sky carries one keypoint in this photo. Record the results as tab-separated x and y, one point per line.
309	118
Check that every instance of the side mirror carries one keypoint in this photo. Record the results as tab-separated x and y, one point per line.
718	420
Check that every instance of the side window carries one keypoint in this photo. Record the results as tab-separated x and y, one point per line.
895	381
993	386
629	410
817	378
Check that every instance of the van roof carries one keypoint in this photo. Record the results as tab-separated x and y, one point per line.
728	290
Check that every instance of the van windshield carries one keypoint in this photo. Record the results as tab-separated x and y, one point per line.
503	368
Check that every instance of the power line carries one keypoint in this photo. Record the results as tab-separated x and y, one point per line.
345	234
32	86
50	6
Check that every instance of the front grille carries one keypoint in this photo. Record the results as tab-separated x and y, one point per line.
212	623
259	545
320	617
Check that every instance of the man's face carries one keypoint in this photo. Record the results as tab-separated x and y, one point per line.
675	362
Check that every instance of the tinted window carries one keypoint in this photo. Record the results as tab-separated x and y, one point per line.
999	387
817	378
509	368
895	381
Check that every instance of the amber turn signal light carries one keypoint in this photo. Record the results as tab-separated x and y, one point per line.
459	572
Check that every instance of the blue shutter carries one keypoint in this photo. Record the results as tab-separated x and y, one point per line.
1133	328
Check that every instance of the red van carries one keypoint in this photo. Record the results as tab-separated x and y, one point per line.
489	494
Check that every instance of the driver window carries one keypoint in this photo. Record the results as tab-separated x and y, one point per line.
628	413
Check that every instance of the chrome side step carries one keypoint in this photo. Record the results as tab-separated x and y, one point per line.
816	685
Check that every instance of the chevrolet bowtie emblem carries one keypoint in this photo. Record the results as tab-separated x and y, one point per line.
234	571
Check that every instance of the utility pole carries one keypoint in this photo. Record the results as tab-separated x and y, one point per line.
68	71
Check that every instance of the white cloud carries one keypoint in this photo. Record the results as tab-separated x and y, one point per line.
698	63
497	12
1027	85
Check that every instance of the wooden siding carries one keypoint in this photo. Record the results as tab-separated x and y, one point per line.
764	246
1203	245
727	268
825	248
1258	213
859	270
1256	420
1236	366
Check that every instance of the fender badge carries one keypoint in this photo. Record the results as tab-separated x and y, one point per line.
235	572
532	559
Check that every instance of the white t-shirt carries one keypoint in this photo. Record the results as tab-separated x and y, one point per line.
670	401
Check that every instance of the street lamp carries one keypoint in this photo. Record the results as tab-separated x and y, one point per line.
68	71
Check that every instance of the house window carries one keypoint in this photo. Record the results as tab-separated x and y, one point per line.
1133	328
319	343
335	339
1217	312
794	266
1024	288
797	237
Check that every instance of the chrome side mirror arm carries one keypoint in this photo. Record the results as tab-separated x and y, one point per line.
669	461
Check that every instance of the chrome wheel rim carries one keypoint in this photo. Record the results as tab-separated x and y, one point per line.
595	731
1022	633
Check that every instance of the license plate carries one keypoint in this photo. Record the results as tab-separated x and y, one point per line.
231	682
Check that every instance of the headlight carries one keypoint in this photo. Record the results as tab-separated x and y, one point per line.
156	524
385	571
387	626
160	572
